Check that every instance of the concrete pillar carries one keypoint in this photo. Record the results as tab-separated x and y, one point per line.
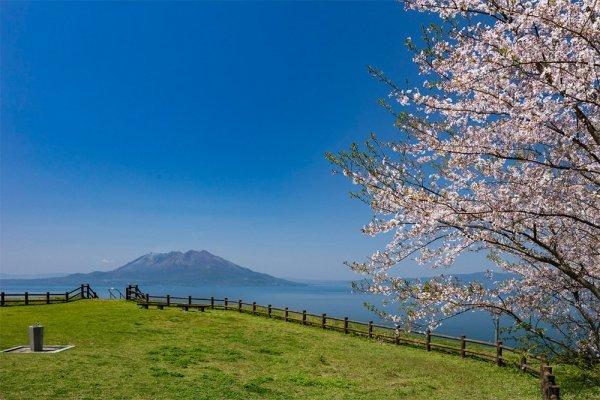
36	338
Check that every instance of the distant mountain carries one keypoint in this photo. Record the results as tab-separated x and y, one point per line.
174	268
31	276
482	277
463	277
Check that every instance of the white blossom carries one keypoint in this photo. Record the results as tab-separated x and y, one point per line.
499	152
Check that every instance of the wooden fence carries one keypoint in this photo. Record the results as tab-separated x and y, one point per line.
12	299
497	352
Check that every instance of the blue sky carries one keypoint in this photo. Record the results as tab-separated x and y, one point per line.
136	127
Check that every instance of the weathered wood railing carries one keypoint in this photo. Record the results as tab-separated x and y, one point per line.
84	291
497	352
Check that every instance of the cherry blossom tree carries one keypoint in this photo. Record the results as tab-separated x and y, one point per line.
497	152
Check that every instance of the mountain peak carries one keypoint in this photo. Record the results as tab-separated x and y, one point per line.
191	267
198	252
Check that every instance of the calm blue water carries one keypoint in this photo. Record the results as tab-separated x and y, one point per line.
334	299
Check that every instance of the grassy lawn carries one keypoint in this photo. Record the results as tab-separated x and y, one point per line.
123	352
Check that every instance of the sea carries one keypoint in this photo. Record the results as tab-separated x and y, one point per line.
334	298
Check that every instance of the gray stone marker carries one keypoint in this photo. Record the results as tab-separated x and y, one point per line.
36	344
36	338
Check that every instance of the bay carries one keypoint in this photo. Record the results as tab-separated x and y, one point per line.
334	298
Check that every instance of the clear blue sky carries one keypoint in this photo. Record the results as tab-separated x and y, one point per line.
136	127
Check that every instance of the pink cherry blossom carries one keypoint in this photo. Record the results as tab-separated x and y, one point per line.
498	152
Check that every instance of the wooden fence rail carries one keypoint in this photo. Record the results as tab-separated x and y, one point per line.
84	291
496	352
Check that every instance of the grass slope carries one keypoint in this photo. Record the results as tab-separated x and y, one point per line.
123	352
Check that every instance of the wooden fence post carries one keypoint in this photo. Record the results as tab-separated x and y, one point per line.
2	299
87	287
189	300
499	360
286	315
26	298
550	390
345	324
370	329
225	302
240	305
323	321
212	302
463	345
397	334
269	310
66	297
254	307
428	340
543	363
168	300
523	362
47	297
303	317
147	298
542	369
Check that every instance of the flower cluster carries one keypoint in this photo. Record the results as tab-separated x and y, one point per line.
499	151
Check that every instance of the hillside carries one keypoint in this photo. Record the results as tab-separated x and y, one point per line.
126	352
173	268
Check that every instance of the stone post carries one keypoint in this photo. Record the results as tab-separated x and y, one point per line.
36	338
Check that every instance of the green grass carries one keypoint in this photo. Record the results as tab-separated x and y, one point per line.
123	352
